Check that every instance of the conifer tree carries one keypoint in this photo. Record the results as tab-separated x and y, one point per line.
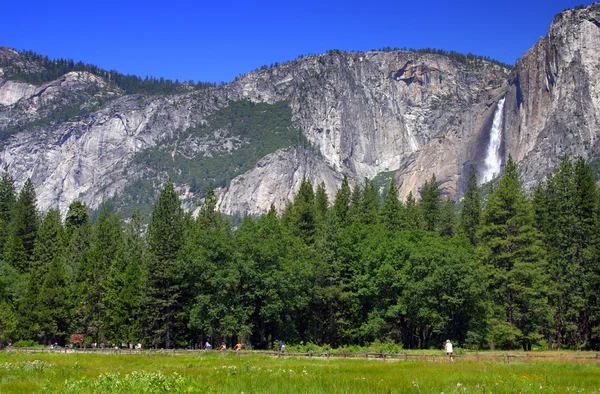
447	224
587	210
321	205
48	254
166	236
208	215
431	204
77	216
564	265
78	233
54	307
392	210
23	229
91	275
7	203
512	253
125	285
356	206
471	211
342	201
370	204
304	213
413	218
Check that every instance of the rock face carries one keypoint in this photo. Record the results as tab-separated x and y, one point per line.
283	170
414	114
553	101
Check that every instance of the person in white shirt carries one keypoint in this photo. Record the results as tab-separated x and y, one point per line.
448	349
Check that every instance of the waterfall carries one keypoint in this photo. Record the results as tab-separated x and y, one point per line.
492	157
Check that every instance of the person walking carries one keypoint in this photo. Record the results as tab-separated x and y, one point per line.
448	348
237	348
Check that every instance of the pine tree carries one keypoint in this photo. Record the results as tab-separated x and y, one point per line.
588	224
586	212
431	204
48	254
471	211
512	253
447	224
567	214
166	236
125	285
91	275
321	205
7	203
392	210
208	216
355	209
23	229
77	216
78	233
413	218
370	204
55	317
304	213
342	202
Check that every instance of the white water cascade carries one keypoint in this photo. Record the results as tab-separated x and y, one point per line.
492	157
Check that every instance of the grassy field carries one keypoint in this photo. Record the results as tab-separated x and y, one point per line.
251	373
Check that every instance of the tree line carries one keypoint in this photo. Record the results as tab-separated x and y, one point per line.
53	69
504	271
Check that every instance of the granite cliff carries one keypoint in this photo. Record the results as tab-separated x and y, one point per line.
362	114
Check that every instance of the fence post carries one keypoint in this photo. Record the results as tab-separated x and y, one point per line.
405	356
477	355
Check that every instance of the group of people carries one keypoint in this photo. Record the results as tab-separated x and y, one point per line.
223	347
448	348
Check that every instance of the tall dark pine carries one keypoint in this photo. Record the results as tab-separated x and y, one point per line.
321	204
370	204
587	208
342	202
471	211
564	252
447	224
413	218
124	285
92	272
45	315
391	212
513	256
166	235
7	203
304	213
209	215
23	229
431	204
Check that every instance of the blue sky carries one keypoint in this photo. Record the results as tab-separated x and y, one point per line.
217	40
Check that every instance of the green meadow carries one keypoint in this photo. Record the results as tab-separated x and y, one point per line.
255	373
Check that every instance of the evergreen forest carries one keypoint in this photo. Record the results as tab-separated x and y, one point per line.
506	270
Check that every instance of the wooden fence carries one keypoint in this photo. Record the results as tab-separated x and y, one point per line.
412	356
